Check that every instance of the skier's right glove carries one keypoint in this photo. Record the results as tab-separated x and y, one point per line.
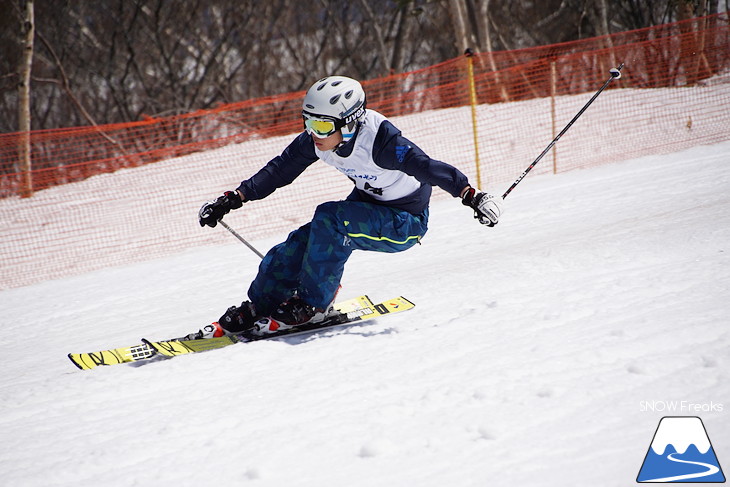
487	208
211	212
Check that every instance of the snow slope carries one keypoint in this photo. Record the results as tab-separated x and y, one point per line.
528	361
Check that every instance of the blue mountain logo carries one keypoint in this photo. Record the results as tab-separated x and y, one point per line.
681	452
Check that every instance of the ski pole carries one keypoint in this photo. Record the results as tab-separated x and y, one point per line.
243	240
615	74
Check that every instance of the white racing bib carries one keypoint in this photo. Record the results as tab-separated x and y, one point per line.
381	184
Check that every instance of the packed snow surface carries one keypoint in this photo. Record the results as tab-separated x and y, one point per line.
541	352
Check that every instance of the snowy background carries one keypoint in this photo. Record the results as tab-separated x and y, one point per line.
531	357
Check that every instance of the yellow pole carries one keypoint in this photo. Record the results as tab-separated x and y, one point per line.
553	89
473	100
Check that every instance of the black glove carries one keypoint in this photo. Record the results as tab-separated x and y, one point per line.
213	211
487	208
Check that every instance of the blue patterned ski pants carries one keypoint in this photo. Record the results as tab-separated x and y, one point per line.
312	259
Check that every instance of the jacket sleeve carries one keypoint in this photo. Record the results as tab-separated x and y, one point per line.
393	151
281	170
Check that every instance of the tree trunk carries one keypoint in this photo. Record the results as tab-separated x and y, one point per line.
24	125
486	46
458	21
604	31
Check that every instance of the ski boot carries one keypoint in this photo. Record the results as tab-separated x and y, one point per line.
290	314
237	319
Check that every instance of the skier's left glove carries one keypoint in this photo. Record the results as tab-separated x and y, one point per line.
487	208
211	212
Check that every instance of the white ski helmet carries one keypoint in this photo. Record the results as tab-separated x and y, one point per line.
334	103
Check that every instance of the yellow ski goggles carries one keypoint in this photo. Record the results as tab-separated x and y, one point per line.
319	127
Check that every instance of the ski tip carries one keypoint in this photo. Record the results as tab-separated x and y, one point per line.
73	360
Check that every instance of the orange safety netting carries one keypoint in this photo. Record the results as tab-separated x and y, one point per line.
490	114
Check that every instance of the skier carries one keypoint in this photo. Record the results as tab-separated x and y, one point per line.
387	211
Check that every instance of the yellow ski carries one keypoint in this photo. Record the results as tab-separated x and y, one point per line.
352	310
87	361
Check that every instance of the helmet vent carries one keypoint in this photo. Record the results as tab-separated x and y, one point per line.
336	83
348	95
334	99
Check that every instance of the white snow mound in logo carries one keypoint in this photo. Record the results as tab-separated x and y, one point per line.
680	432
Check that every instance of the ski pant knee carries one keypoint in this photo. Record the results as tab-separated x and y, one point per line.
311	261
278	274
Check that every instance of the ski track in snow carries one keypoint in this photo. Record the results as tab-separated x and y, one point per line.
524	362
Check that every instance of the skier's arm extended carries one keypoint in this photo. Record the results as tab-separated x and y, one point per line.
278	172
393	151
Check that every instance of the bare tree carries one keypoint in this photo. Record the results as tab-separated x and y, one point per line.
112	61
27	31
462	38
